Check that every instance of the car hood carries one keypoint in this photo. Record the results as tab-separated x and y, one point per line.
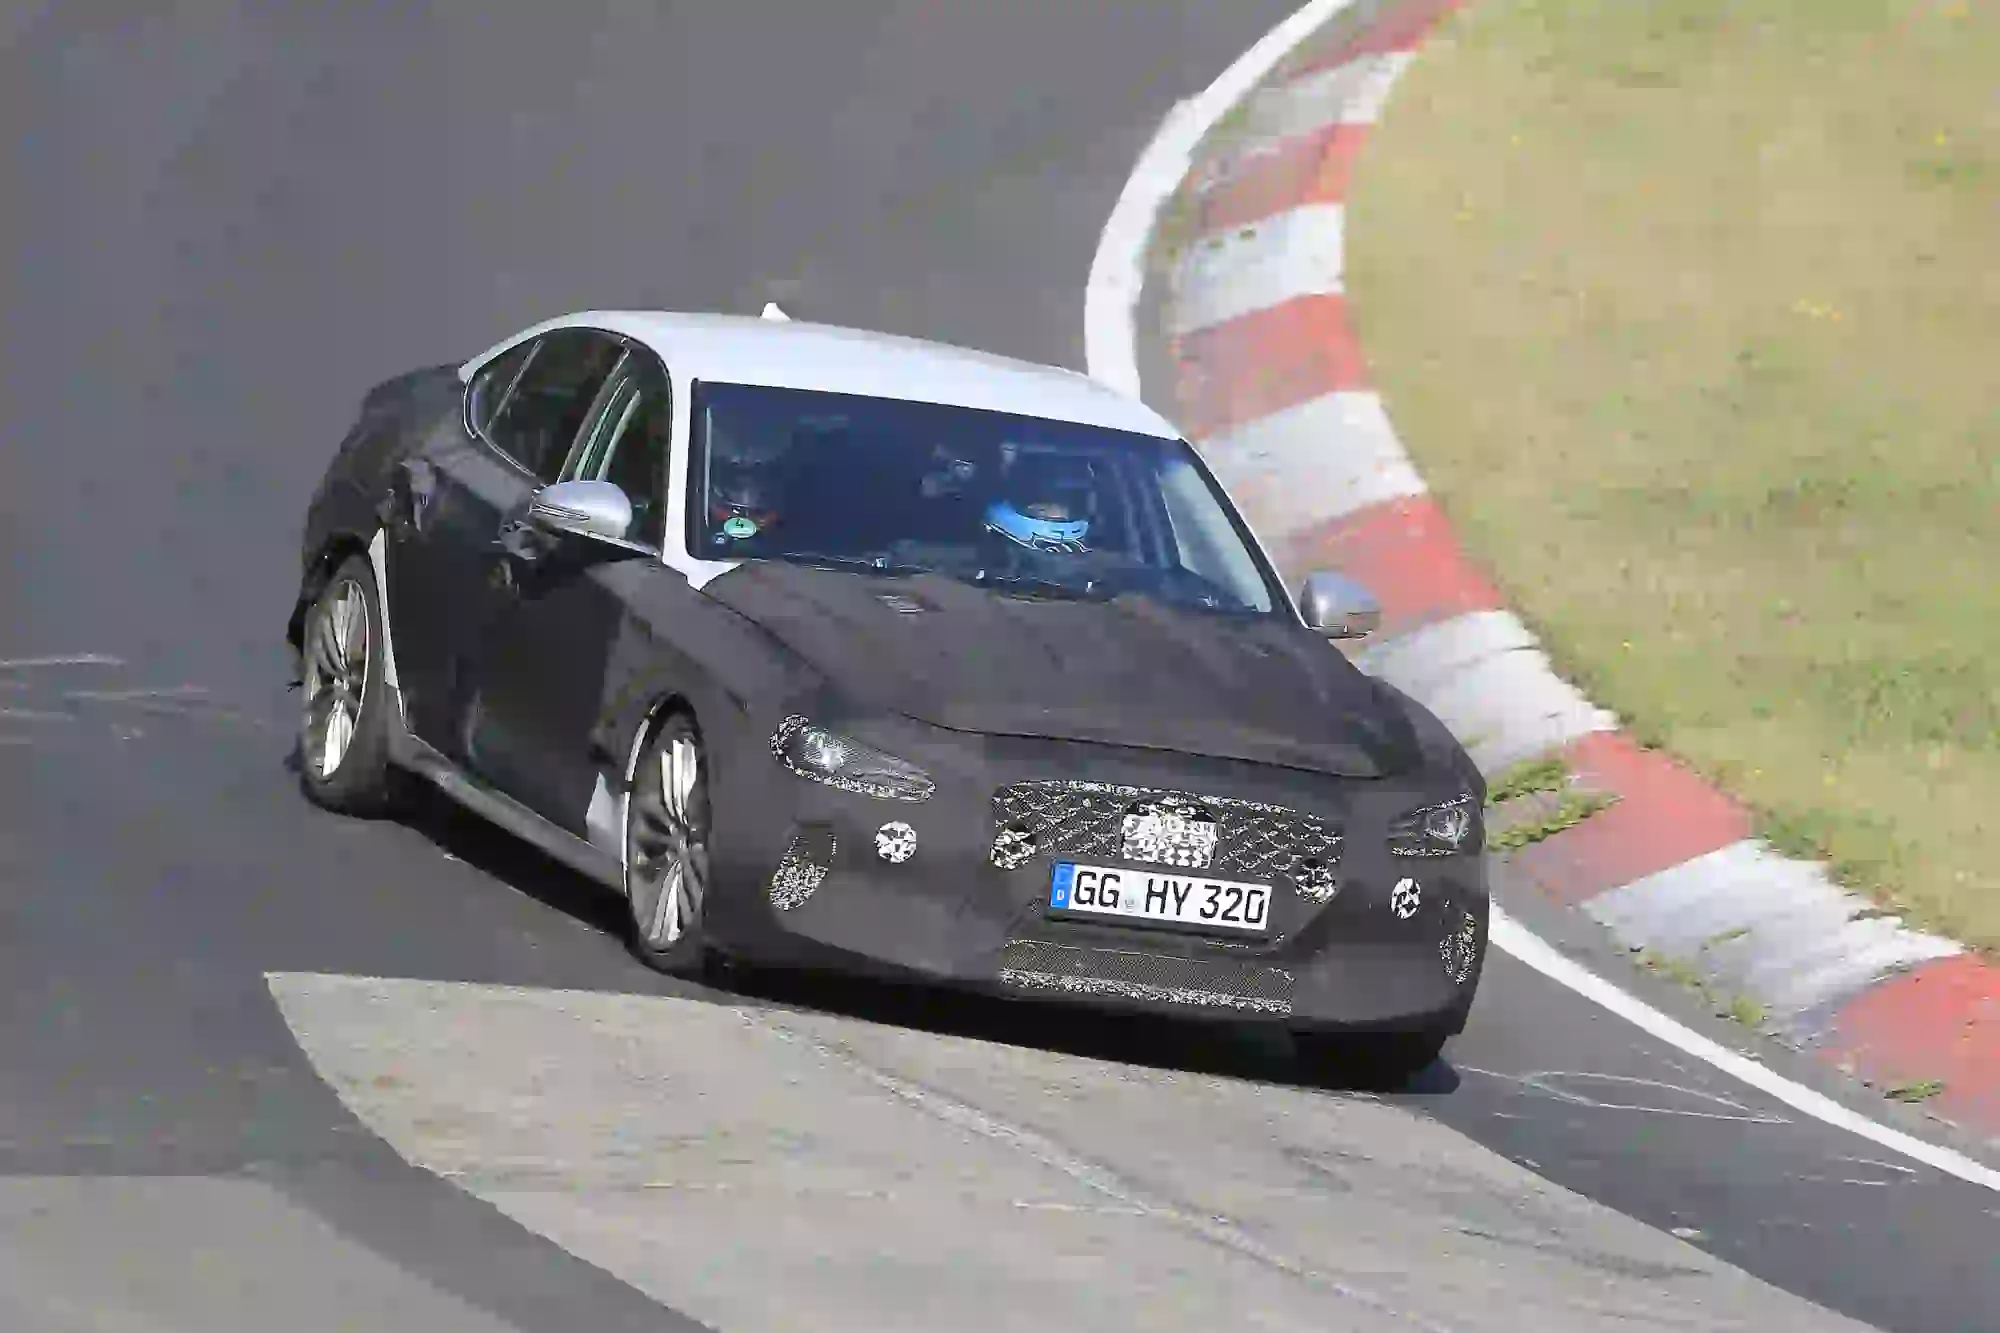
1126	672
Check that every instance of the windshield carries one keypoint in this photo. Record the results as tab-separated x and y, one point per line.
1045	508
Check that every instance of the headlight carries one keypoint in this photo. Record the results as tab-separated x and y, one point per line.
1437	830
813	752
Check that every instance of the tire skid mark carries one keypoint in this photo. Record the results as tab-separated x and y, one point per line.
126	696
72	659
52	702
1549	1082
34	715
528	1177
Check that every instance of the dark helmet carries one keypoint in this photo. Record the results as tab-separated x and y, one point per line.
737	492
742	485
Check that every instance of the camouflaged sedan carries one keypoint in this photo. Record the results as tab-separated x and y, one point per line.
833	650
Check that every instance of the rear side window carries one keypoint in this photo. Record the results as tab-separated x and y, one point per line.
538	417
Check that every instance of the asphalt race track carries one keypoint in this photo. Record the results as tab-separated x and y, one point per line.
225	226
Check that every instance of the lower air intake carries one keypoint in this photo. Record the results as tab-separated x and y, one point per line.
1220	983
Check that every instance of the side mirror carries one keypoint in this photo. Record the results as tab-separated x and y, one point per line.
1338	607
594	509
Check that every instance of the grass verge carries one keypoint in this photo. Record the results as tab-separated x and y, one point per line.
1687	311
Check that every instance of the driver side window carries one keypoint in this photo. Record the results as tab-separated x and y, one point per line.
628	446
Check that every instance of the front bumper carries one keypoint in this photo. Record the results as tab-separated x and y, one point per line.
808	887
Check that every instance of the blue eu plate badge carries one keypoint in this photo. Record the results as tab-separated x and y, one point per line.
1059	886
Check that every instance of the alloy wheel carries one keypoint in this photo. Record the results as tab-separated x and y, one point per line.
336	678
667	840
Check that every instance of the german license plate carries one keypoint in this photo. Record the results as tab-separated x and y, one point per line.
1163	896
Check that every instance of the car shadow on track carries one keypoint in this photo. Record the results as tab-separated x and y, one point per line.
486	847
463	836
1248	1051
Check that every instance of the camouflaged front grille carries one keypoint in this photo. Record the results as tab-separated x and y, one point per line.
1252	841
1205	983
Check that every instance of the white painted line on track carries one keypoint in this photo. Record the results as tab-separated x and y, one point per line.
1514	939
1117	276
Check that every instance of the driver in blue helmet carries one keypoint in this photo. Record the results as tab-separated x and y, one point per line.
1046	503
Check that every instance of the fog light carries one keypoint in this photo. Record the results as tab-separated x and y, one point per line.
1316	880
1012	847
1445	829
895	842
1460	949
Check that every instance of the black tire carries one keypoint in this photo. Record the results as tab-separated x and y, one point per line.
661	831
1378	1060
361	779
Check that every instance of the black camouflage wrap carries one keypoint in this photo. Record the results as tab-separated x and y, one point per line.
1052	716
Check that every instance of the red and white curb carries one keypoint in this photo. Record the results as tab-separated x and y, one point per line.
1273	388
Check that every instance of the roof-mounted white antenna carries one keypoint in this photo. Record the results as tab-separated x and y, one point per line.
771	311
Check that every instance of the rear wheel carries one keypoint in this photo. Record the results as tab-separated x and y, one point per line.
666	850
344	735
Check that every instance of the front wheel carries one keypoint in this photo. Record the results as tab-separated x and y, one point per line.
666	850
344	735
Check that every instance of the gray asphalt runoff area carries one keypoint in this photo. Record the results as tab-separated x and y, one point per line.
262	1068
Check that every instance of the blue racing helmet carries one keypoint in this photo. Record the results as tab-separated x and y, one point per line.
1039	534
1045	504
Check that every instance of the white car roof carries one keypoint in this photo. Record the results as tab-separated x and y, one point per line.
790	354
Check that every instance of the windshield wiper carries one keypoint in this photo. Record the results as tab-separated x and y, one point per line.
1028	584
871	564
